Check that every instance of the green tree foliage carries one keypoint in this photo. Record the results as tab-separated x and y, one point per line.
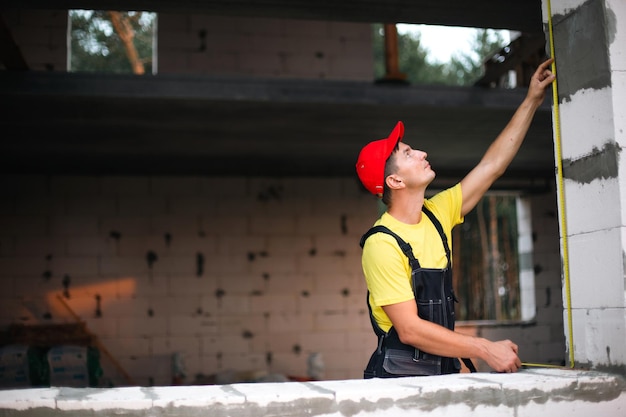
95	47
462	70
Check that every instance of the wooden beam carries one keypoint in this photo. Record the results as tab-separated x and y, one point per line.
519	15
392	59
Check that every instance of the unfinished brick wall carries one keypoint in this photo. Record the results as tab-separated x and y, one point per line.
243	274
229	274
285	48
41	36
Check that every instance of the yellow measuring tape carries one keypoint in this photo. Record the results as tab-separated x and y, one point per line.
559	164
540	365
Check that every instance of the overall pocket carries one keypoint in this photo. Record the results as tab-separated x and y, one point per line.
398	362
431	310
434	296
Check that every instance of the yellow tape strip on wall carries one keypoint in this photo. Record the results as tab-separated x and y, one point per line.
562	218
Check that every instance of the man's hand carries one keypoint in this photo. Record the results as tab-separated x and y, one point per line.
540	81
502	356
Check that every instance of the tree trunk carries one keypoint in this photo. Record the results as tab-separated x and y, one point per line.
484	245
124	30
496	270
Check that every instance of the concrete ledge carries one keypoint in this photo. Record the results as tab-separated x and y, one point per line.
528	393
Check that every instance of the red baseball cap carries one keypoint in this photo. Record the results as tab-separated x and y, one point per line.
370	166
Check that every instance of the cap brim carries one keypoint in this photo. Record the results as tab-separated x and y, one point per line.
394	137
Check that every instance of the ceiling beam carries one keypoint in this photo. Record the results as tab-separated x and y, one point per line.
520	15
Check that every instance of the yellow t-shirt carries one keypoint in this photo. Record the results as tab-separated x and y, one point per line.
386	268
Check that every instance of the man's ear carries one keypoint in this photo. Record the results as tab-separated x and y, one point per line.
394	182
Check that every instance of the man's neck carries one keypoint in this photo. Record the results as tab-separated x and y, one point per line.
407	208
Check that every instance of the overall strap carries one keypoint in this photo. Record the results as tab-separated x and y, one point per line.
406	248
467	361
408	251
379	332
444	238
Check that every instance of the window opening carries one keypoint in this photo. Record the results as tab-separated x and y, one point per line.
445	55
493	267
112	41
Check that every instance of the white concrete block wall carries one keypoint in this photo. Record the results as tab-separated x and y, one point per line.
528	393
264	47
618	85
591	129
281	277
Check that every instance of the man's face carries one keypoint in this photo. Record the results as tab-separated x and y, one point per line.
412	167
